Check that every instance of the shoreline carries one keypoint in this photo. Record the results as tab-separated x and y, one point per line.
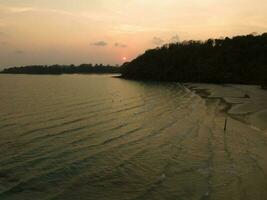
245	103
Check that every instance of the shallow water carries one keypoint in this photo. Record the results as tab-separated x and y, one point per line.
99	137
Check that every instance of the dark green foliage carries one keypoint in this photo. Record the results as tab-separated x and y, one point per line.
62	69
241	59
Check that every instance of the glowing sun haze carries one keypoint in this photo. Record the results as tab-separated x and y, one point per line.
114	31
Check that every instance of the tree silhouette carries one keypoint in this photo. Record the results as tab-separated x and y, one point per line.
62	69
241	59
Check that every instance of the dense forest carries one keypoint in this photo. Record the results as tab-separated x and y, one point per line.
241	59
62	69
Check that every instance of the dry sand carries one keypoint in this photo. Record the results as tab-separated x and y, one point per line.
246	103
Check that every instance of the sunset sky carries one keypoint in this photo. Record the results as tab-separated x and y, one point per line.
112	31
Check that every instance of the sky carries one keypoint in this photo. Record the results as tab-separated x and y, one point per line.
112	31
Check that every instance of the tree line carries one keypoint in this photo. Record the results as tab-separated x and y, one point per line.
62	69
241	59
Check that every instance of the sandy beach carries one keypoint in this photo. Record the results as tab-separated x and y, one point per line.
239	153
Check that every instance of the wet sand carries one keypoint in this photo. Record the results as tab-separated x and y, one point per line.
239	161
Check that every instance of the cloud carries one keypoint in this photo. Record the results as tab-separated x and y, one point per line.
100	43
2	34
18	51
157	41
120	45
19	10
3	43
175	39
9	9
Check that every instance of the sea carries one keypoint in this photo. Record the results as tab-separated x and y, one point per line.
101	137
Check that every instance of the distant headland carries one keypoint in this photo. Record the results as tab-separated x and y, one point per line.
241	59
62	69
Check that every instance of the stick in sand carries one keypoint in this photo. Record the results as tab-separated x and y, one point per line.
225	124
